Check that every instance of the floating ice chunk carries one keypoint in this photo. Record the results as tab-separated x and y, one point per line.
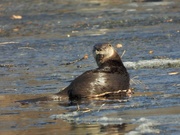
154	63
145	126
80	117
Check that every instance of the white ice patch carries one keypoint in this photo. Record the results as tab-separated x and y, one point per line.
154	63
146	126
79	118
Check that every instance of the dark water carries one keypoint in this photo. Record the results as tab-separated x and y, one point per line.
49	33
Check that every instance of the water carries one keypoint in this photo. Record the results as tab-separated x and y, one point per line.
50	33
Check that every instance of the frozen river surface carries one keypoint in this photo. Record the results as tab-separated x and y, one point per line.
37	37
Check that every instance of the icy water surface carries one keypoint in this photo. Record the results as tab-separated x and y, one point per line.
37	37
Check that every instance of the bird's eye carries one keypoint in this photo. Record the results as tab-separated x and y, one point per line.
109	45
